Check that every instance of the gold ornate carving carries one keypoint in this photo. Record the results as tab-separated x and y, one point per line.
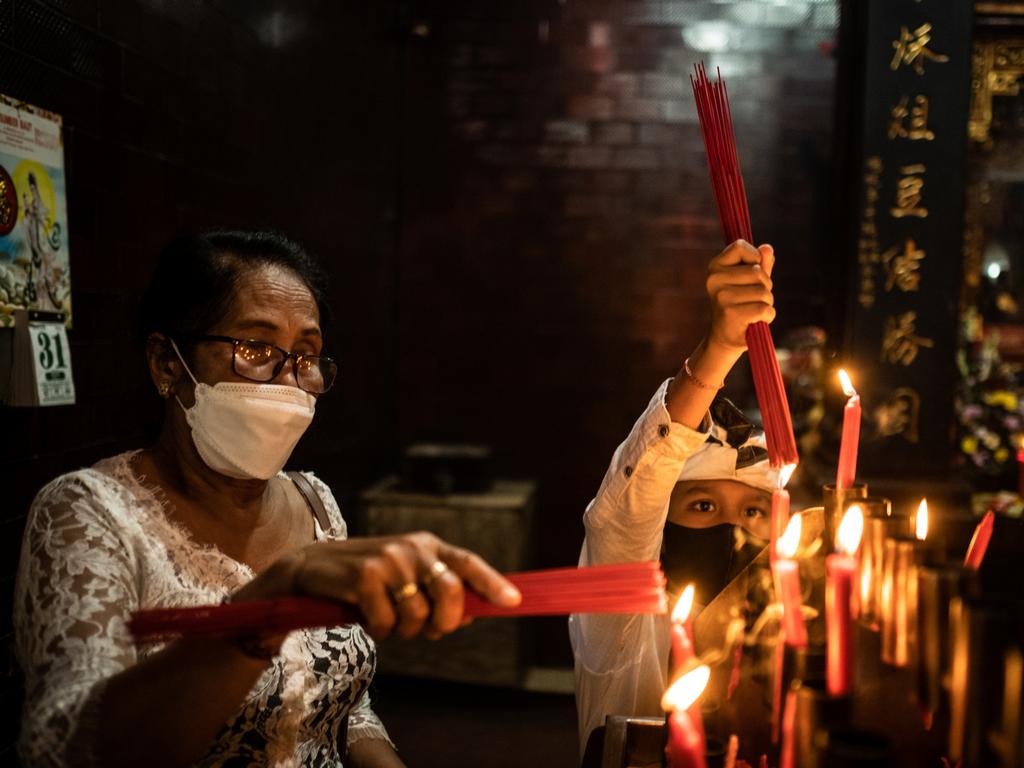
1000	9
996	70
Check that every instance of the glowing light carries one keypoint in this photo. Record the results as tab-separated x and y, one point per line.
687	689
709	36
846	384
683	605
865	584
921	523
850	529
993	271
786	472
789	541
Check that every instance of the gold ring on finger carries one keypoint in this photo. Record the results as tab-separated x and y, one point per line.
404	592
437	569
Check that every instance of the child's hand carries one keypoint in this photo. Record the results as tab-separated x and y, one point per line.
740	289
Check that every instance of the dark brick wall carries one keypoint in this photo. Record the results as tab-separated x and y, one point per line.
559	218
190	114
512	198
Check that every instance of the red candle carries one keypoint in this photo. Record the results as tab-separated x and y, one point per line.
787	585
682	632
787	755
979	542
847	470
780	511
686	747
1020	470
685	743
840	568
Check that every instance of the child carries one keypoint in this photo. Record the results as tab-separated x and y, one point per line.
689	472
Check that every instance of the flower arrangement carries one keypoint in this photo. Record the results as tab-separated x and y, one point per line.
990	409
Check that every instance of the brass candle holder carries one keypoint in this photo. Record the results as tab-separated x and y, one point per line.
879	523
899	602
835	502
816	712
937	585
1008	741
982	632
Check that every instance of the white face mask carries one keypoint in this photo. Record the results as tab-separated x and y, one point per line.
247	430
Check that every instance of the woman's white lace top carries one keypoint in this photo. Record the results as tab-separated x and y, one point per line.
98	546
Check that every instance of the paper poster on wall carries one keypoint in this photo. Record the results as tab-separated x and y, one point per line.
34	265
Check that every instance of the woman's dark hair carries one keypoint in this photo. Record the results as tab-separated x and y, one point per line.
195	278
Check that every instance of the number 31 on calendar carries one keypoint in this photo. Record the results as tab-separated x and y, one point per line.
52	362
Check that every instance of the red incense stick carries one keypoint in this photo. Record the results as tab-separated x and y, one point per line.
734	214
621	588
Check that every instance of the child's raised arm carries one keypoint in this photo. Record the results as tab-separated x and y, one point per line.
739	288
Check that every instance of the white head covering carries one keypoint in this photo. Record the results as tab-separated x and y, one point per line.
733	451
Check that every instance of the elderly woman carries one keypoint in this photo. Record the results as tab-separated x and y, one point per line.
234	346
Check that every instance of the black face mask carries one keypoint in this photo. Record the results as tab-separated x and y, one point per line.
697	555
707	557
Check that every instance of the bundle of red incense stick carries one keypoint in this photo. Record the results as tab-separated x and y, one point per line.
731	200
621	588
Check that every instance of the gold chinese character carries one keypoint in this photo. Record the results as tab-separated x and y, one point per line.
912	49
900	342
899	415
902	267
908	193
918	115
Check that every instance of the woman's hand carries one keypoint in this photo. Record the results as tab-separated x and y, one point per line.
739	287
403	584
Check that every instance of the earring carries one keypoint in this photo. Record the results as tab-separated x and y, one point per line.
164	389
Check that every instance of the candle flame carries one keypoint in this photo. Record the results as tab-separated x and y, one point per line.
850	529
847	385
865	583
687	689
922	520
786	472
683	605
789	541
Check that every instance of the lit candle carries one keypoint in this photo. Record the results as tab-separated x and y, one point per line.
682	632
786	572
921	521
685	747
979	542
840	568
780	510
846	473
787	585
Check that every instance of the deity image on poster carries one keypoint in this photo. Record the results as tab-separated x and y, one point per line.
34	260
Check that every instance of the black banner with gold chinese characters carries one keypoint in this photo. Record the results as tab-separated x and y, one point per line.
903	305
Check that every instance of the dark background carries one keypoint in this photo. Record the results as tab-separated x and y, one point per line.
511	197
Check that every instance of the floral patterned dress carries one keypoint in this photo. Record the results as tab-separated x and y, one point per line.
98	545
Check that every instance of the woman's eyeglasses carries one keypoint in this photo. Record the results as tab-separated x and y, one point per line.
260	361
